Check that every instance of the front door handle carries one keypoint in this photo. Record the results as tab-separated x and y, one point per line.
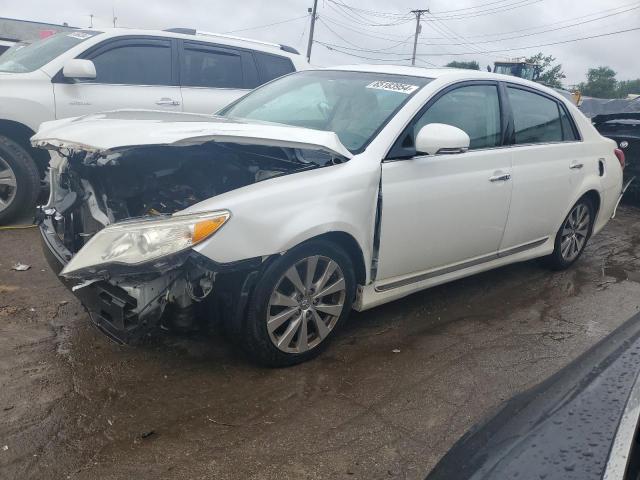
168	101
500	178
576	166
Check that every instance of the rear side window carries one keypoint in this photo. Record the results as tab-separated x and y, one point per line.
273	66
212	68
474	109
568	130
147	62
536	118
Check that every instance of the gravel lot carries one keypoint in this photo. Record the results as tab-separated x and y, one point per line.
73	405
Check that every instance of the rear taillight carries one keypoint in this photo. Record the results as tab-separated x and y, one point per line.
620	154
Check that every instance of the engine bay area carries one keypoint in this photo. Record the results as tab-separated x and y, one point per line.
90	191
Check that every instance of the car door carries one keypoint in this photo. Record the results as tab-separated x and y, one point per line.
441	211
548	165
131	72
212	76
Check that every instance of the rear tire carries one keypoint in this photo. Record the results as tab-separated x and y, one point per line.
573	235
312	311
19	181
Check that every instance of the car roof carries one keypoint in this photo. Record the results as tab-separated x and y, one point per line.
453	74
209	37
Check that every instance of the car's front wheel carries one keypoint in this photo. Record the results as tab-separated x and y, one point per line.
298	304
19	181
573	235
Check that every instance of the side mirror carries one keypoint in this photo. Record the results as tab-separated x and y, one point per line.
441	138
79	69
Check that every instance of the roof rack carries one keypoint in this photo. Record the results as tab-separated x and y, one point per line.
289	49
193	31
185	31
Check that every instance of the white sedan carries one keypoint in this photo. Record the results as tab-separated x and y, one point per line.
320	192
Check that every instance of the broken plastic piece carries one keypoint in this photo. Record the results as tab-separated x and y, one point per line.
86	283
20	267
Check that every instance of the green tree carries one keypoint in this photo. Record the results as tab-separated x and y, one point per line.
601	83
473	65
625	87
550	74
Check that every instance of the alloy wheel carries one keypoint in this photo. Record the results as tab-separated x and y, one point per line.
8	185
306	304
575	232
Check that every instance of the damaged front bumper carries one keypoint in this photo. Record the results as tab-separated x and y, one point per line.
129	307
111	309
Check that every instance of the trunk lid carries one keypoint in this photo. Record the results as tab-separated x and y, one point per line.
111	131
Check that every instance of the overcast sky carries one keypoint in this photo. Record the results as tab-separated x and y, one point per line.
475	25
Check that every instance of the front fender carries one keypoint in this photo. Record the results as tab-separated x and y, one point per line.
273	216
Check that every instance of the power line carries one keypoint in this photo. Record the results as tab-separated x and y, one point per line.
342	10
444	29
489	11
536	46
364	32
467	41
337	49
520	30
362	13
544	31
265	26
472	8
358	47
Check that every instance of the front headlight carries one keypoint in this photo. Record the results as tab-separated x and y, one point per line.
134	242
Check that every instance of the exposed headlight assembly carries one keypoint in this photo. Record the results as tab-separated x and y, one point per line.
134	242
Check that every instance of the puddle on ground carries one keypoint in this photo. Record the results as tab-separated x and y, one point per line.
620	273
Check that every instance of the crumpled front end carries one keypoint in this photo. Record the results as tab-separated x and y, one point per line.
115	229
128	306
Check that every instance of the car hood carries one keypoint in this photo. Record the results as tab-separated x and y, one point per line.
108	131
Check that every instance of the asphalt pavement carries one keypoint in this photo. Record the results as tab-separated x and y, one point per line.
397	388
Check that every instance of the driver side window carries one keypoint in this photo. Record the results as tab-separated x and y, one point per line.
475	109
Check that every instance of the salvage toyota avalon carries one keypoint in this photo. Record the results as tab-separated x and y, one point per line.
318	193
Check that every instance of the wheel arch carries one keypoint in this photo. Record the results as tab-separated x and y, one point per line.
21	134
351	247
594	196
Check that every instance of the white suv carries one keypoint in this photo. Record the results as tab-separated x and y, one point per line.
87	71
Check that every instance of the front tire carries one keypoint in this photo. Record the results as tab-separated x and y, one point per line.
19	181
573	235
299	303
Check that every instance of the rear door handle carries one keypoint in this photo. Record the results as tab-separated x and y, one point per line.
167	101
576	166
500	178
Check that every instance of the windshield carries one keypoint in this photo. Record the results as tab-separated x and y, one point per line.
38	54
354	105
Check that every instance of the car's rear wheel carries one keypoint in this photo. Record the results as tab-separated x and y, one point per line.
19	181
298	304
573	235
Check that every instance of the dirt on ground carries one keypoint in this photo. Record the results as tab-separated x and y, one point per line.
397	388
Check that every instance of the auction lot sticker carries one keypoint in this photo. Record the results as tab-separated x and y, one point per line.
393	86
79	35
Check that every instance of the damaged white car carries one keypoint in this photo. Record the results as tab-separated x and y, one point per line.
317	193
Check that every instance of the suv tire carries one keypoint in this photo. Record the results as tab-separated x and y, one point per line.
21	198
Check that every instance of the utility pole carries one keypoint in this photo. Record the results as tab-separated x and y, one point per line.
418	14
91	20
313	24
